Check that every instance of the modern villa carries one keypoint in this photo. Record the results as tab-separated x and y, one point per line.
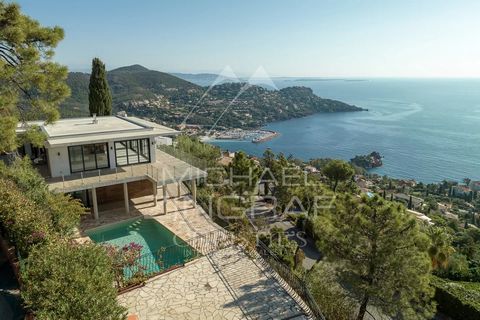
193	267
107	159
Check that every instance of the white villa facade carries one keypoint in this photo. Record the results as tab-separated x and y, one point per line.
96	157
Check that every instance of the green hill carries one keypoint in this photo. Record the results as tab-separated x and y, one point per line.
167	99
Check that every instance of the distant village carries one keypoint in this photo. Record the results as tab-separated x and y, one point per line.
459	202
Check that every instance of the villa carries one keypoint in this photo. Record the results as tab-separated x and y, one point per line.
107	159
116	166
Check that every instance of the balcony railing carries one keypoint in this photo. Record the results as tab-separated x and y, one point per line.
166	169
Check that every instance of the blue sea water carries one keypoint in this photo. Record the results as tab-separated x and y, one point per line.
426	129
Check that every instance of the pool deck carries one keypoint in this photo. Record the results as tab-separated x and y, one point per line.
224	285
182	218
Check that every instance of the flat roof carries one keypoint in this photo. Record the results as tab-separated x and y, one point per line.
82	126
81	130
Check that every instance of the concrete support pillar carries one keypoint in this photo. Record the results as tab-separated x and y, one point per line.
164	189
194	192
179	185
125	197
95	203
155	192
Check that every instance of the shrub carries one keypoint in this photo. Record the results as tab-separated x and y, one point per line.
126	264
457	268
64	280
281	246
332	299
460	300
299	258
22	221
62	211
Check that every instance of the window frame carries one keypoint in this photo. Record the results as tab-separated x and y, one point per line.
83	156
126	143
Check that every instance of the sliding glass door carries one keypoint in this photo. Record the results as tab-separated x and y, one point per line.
88	157
132	151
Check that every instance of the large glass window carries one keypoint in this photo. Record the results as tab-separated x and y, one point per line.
76	158
88	157
101	153
132	151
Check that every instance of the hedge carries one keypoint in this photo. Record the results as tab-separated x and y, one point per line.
459	300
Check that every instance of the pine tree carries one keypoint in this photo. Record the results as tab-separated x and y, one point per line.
243	173
31	85
99	96
381	254
337	171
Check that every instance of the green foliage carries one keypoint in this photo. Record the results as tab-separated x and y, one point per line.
381	253
440	247
64	280
459	300
126	264
25	224
61	210
281	246
198	149
332	299
99	95
8	138
336	171
31	85
456	269
243	173
299	258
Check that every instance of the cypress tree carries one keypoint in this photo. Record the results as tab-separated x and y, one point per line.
99	96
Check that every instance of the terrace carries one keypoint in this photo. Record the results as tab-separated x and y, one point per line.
167	169
222	281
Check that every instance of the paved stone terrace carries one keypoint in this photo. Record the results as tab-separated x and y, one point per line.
224	285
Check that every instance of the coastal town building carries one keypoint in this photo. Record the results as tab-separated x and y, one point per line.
474	185
106	159
461	191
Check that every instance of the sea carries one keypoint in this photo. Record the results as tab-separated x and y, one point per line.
426	129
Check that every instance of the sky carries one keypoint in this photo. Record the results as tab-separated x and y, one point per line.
303	38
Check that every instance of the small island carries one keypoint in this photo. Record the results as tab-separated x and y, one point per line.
372	160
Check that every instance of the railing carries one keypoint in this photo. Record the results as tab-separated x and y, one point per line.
297	284
184	156
177	255
212	241
163	260
88	179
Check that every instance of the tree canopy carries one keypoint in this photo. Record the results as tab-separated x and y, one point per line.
99	95
381	253
243	173
31	84
336	171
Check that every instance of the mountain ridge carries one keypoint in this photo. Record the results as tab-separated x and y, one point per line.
167	99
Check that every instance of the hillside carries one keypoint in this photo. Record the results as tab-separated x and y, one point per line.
167	99
204	79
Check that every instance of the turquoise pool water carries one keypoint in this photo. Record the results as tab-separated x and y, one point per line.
161	249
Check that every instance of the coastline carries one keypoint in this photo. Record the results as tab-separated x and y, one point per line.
253	135
270	134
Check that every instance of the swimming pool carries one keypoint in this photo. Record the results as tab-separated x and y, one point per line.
161	249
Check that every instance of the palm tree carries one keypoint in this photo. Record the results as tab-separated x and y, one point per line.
440	247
